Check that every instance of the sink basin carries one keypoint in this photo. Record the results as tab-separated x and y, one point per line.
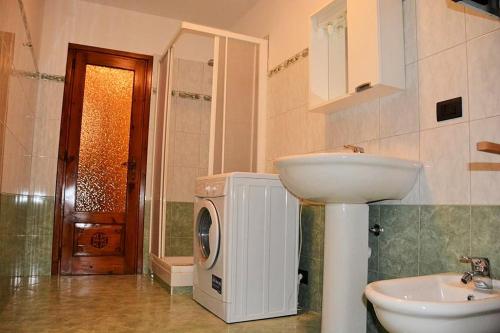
346	182
435	303
347	177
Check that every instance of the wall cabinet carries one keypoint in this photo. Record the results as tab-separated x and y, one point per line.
356	53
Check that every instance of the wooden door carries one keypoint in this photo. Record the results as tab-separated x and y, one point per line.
102	163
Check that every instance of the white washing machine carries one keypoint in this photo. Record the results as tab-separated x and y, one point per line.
245	246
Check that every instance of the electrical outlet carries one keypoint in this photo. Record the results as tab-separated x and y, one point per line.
305	276
449	109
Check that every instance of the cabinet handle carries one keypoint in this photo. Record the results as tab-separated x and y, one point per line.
363	86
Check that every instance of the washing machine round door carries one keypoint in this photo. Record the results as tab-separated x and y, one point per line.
208	233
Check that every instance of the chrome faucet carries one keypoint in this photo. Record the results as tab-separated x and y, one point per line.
480	272
355	149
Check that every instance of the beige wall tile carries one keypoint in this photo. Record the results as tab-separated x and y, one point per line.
410	31
485	185
297	85
315	131
186	150
441	77
360	123
182	184
205	114
207	79
188	115
484	75
190	76
295	132
406	146
16	166
46	137
43	176
399	113
445	177
204	150
277	93
440	25
50	99
478	23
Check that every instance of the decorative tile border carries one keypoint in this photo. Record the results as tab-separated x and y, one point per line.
290	61
190	95
38	76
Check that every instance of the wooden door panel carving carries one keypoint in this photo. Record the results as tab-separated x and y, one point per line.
98	239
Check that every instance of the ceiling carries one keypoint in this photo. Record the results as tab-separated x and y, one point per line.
216	13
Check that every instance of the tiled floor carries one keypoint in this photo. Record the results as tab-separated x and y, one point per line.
118	304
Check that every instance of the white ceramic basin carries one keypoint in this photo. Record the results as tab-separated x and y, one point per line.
435	304
347	177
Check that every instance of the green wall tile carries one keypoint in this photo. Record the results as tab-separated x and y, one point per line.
444	237
310	295
38	251
374	218
12	260
372	323
313	227
372	276
181	246
13	214
485	227
147	224
182	219
398	244
40	215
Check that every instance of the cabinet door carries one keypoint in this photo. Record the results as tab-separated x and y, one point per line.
363	43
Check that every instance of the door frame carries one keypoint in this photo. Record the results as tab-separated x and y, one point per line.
63	148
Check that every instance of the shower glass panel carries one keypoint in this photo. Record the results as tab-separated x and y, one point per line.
207	123
158	209
188	135
240	112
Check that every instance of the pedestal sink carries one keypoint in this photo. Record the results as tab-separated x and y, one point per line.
346	182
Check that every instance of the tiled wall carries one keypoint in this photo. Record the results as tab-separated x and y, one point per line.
311	258
146	264
189	129
25	234
25	220
450	52
179	229
17	121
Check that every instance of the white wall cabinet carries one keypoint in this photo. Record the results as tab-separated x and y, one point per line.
356	53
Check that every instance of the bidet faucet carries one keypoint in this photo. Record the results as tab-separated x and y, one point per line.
355	149
480	272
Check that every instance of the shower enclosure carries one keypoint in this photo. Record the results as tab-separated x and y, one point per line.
209	120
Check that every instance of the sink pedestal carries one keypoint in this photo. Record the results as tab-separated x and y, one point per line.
345	268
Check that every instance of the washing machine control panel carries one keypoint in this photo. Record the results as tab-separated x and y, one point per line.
210	189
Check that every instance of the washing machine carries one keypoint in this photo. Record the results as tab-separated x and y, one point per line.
246	228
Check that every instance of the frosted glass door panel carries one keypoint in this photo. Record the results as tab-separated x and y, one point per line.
104	140
241	106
